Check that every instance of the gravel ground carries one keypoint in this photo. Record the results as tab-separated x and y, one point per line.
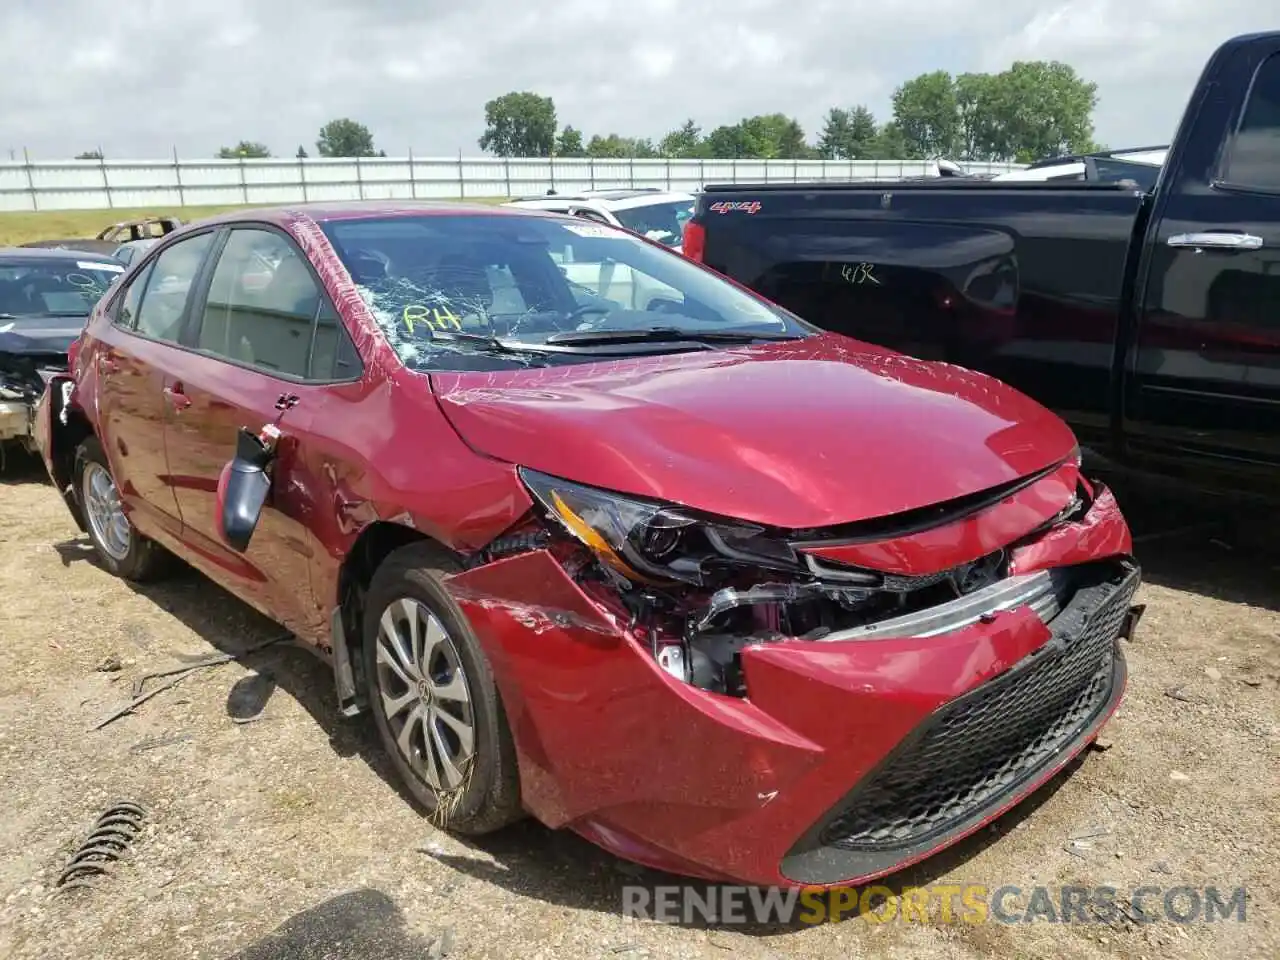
274	829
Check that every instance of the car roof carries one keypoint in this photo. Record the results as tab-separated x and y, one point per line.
358	210
52	253
620	199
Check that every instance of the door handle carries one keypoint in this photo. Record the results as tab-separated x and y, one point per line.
1217	241
177	397
107	364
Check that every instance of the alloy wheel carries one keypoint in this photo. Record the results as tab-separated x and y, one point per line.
424	695
105	512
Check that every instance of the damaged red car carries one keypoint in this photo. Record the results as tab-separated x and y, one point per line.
598	536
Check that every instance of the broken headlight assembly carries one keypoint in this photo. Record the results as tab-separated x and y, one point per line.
642	542
699	588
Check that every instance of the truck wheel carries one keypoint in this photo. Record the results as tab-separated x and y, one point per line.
122	549
433	697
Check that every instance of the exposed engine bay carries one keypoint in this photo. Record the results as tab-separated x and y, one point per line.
697	591
22	380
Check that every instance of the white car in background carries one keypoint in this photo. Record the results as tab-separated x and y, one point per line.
657	214
1141	165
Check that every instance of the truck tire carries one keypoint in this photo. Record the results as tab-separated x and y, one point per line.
122	550
433	698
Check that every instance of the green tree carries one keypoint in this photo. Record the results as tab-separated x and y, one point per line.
833	142
244	150
981	134
730	143
787	141
345	137
848	134
862	133
569	143
519	124
892	144
765	136
1043	108
615	146
89	155
925	111
684	143
1032	110
642	148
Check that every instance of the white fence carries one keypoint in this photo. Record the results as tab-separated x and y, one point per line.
97	184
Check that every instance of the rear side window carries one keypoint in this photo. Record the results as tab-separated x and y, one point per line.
1253	159
160	314
265	310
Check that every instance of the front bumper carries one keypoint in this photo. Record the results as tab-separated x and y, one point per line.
847	760
15	420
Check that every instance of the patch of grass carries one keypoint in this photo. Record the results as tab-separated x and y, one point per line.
23	227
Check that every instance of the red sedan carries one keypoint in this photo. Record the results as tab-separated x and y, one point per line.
598	536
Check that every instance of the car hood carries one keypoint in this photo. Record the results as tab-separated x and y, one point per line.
28	337
800	434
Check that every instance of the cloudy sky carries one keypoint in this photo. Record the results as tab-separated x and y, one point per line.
139	77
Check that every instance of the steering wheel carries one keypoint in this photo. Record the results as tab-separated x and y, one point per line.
586	309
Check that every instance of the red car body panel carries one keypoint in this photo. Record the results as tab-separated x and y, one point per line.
678	779
720	430
977	535
799	435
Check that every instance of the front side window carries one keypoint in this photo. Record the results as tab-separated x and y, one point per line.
36	288
165	299
262	304
1253	157
530	289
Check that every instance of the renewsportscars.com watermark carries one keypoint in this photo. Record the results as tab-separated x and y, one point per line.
949	903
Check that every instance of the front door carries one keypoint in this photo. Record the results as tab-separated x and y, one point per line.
1205	371
262	330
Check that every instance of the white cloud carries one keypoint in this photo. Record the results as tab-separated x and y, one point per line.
140	77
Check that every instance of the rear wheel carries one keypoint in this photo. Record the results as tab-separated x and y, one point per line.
121	548
433	696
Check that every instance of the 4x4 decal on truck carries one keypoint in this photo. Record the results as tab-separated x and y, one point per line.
746	206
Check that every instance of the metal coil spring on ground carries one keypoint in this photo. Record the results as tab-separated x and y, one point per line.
110	838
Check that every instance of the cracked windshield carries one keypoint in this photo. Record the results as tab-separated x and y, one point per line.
31	288
492	292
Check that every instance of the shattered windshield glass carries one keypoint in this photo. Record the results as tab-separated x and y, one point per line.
520	290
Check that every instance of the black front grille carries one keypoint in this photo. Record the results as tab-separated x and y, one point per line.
976	749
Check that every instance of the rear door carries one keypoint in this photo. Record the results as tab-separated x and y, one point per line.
261	329
1205	367
134	406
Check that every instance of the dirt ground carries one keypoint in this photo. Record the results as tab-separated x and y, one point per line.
282	837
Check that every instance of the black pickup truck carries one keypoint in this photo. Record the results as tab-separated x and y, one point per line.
1148	318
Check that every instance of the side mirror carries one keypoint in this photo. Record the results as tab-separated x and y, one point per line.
243	486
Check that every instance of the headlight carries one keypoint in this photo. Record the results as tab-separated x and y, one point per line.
653	542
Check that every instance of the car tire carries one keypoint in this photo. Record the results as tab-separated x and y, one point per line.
413	697
122	550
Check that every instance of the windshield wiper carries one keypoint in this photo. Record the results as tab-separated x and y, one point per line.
662	335
485	340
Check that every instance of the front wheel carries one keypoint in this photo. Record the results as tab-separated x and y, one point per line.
121	548
433	696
